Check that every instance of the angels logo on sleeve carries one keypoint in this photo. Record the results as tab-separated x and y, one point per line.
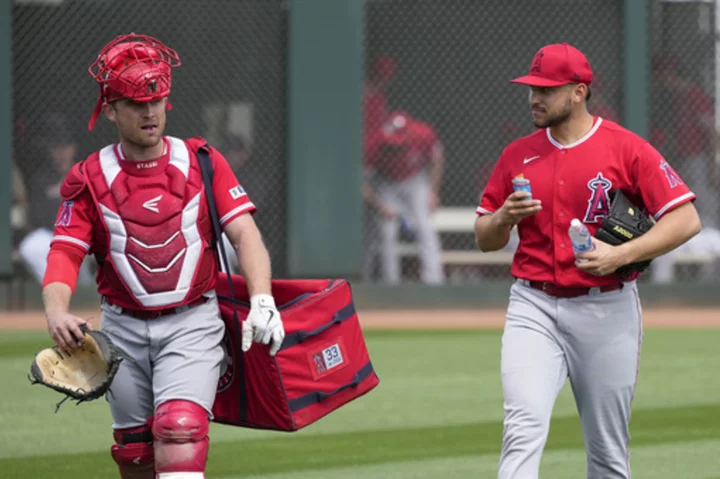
237	192
65	215
672	177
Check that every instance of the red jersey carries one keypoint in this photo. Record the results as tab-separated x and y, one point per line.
402	154
573	181
154	248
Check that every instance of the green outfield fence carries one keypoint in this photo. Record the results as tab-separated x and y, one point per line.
279	86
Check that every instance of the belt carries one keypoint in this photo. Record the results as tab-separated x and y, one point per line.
154	314
569	292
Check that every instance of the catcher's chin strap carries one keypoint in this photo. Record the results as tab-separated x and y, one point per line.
207	175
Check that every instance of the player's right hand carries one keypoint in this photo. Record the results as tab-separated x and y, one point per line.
517	206
263	324
65	330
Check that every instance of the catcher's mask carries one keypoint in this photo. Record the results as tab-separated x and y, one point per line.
132	66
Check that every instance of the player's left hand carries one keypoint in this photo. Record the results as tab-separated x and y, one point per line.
605	259
263	324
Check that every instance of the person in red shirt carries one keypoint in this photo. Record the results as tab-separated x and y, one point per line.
140	207
404	172
572	316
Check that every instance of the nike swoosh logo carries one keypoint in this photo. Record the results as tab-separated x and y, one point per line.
272	315
528	160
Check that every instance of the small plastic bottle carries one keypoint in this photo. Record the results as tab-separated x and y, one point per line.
520	183
580	237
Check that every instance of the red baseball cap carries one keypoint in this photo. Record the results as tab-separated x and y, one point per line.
557	65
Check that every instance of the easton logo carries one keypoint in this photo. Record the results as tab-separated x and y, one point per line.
599	202
152	204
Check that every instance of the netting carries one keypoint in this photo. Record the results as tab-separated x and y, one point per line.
230	89
444	62
448	64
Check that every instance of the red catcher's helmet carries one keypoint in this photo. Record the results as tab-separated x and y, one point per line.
135	67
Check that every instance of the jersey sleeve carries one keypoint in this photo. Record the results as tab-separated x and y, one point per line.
497	190
74	222
659	185
230	197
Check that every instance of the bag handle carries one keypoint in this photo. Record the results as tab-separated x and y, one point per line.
318	396
207	172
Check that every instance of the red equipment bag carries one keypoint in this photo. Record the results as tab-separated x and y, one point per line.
322	364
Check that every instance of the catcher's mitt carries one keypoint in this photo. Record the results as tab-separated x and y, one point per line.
84	374
624	222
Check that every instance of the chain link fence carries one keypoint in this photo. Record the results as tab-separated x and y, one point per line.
445	63
230	89
448	64
683	121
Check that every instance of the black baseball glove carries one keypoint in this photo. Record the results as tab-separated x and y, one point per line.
83	374
624	222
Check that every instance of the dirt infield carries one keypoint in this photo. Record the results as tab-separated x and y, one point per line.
425	319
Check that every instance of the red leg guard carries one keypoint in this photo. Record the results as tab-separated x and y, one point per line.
180	432
133	452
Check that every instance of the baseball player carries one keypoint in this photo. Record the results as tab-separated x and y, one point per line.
567	316
139	206
404	163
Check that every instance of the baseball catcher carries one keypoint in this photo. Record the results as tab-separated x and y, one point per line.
139	207
83	374
624	222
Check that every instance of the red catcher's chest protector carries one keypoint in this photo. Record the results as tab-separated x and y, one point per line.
322	365
153	248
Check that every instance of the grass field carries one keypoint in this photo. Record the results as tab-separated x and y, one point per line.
436	414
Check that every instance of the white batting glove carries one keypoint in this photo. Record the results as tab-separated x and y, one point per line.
263	324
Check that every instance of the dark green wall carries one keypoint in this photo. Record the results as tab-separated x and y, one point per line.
636	62
325	74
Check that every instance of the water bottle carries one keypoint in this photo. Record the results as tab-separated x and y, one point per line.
580	237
